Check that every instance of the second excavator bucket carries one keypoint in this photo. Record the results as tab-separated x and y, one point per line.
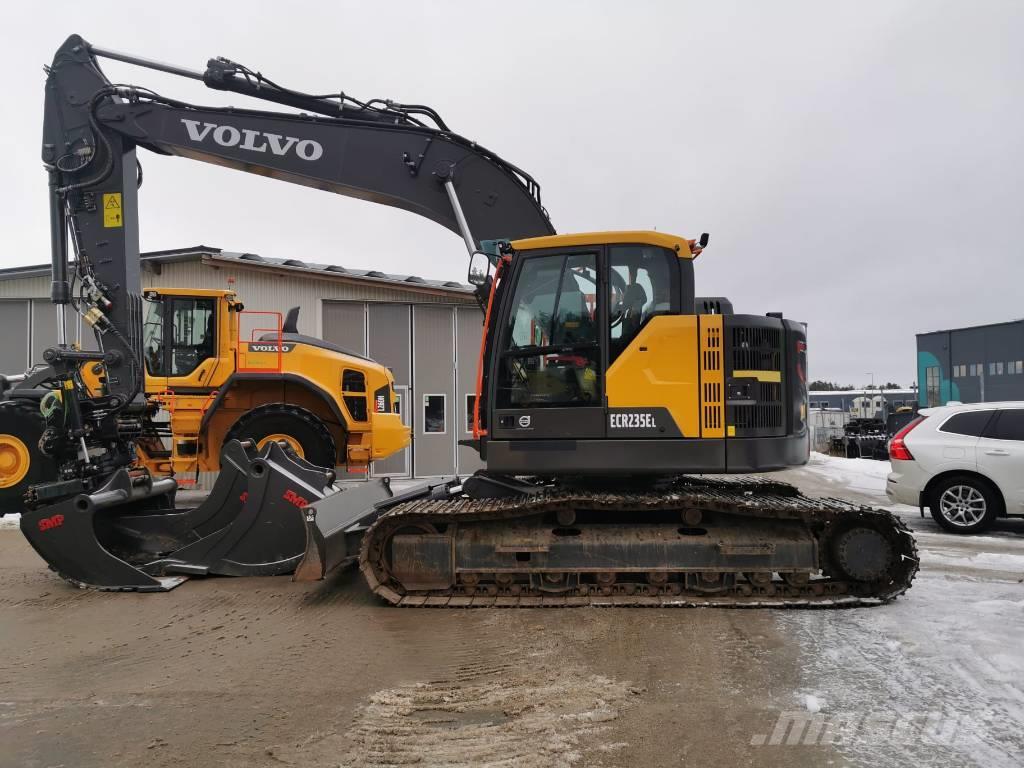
129	536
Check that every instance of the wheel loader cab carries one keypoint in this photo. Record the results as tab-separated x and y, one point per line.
222	378
187	338
598	363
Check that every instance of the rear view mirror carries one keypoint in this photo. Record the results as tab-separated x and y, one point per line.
479	268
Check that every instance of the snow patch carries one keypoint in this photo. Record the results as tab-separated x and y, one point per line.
813	704
10	521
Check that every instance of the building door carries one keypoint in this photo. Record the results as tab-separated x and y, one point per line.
398	465
14	339
468	329
345	325
433	391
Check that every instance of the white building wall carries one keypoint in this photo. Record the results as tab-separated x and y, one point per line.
25	288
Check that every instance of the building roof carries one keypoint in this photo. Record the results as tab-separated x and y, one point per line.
973	327
860	392
253	260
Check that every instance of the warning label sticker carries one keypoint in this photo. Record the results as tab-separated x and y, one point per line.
112	210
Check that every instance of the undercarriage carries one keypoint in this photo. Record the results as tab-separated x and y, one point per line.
692	541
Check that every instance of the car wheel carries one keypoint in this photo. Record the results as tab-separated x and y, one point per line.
964	504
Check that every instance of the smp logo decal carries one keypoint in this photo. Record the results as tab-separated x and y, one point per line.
49	523
631	421
253	141
293	498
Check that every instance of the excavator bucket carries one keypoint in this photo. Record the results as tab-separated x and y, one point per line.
129	536
335	524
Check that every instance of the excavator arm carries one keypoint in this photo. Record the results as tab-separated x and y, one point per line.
398	155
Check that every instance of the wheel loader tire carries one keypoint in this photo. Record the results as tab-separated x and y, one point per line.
300	428
21	462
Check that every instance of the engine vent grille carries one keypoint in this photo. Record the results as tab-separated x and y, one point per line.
759	416
756	349
712	407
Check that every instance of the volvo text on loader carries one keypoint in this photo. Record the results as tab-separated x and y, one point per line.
607	390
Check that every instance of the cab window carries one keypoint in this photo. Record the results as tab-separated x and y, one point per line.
552	355
193	330
153	338
642	283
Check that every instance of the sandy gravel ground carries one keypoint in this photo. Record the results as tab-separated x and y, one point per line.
264	672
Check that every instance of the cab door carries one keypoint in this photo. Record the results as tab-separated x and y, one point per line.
180	342
549	382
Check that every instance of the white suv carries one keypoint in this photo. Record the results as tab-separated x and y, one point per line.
965	462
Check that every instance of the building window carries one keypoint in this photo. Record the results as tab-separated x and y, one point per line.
470	406
999	368
991	369
433	414
932	380
1020	366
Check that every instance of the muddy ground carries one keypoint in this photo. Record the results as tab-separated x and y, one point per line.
264	672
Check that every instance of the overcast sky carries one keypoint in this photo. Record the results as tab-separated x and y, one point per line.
858	165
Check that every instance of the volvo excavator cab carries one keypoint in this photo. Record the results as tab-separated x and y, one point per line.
598	363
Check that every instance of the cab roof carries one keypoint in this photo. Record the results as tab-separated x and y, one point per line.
645	237
186	292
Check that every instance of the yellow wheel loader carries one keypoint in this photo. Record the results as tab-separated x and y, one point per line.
225	373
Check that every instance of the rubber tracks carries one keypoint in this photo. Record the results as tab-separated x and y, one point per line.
826	518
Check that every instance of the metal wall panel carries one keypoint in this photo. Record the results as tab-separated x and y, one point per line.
267	289
433	374
468	330
389	339
25	287
389	342
14	338
345	325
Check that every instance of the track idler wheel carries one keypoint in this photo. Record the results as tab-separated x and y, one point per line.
864	554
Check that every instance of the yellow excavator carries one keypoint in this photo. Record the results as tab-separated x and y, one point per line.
611	399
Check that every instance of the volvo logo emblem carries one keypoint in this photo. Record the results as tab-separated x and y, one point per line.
253	141
524	422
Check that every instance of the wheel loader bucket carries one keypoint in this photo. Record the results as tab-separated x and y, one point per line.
129	536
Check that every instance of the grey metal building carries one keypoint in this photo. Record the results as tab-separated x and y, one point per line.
426	331
983	363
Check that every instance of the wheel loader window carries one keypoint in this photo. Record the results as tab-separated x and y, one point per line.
642	283
153	338
193	330
552	353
